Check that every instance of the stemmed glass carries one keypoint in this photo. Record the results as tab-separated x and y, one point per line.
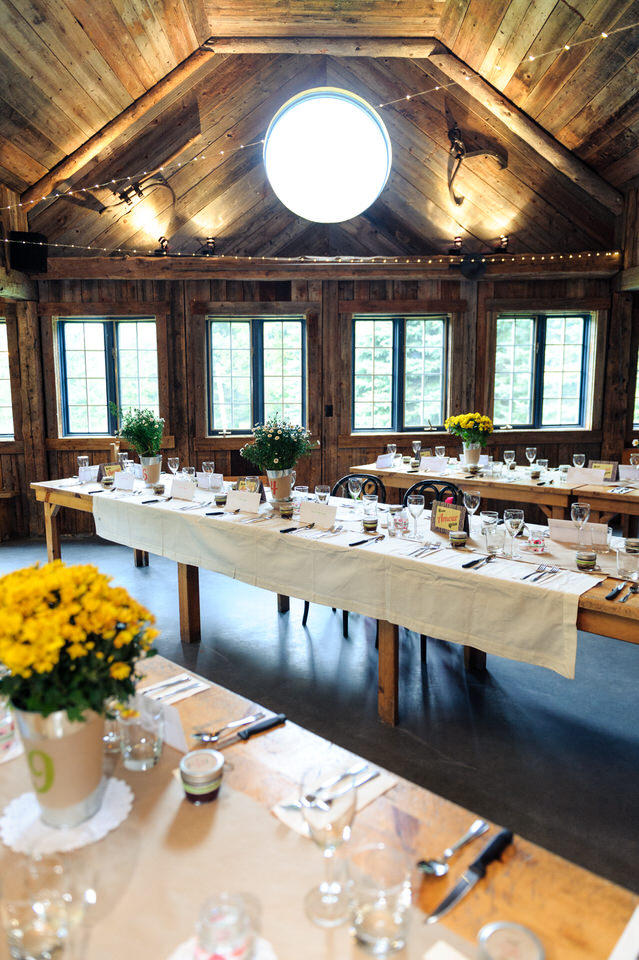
579	513
509	456
472	499
328	807
188	473
440	451
173	464
82	463
322	493
415	504
355	487
208	467
391	448
578	459
531	453
417	448
513	521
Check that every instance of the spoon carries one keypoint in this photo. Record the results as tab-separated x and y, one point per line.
634	588
439	868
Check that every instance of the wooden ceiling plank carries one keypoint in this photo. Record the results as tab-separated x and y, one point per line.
317	242
75	161
607	144
17	128
199	20
607	102
408	47
14	158
561	158
624	170
124	58
451	21
516	35
491	66
178	27
478	30
139	19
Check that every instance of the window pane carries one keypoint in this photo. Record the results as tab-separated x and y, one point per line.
137	365
6	412
282	368
231	374
562	371
373	374
514	370
425	372
86	382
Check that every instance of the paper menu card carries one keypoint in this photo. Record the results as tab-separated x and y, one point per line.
385	460
182	489
577	475
565	531
243	500
321	514
88	474
123	480
628	473
436	464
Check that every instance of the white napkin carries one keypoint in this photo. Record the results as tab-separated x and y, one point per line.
365	794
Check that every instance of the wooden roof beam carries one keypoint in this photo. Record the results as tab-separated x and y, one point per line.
119	125
406	47
524	127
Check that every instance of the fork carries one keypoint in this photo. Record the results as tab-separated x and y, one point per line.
547	573
540	569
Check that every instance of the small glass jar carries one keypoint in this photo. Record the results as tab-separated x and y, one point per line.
201	772
369	524
220	499
501	941
632	545
107	482
286	509
158	489
7	727
586	559
457	538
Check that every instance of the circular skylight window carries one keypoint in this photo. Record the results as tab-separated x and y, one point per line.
327	154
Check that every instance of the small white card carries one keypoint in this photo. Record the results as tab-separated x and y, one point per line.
628	944
577	475
436	464
565	531
182	489
385	460
628	473
88	474
444	951
122	480
173	731
321	514
243	500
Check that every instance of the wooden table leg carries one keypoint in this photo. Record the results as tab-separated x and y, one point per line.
283	603
189	602
52	530
388	672
474	659
140	558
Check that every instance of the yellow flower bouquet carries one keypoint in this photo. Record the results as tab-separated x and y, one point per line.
471	427
68	640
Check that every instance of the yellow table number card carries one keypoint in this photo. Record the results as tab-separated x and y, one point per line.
446	517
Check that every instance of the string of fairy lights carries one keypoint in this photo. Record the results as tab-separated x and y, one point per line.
131	180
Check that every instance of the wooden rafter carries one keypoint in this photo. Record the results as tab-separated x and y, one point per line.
410	47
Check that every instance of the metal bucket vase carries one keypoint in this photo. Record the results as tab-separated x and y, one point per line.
151	469
472	453
281	483
65	761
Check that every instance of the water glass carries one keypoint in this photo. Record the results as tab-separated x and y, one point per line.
509	457
627	564
189	473
578	459
122	458
141	728
381	894
495	537
227	926
543	465
440	451
208	467
173	464
322	492
634	459
83	462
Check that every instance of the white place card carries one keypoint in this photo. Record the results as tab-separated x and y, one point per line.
385	460
243	500
182	489
628	473
434	464
483	459
122	480
444	951
88	474
627	946
321	514
565	531
577	475
173	730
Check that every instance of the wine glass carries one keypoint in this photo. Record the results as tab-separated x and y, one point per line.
328	806
513	521
509	456
543	466
417	448
531	453
634	459
322	493
355	487
440	451
579	513
188	473
415	504
472	499
83	462
122	459
391	448
173	464
208	467
578	459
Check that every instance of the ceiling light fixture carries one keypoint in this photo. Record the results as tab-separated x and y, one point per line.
327	155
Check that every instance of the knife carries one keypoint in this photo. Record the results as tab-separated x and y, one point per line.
251	731
473	874
615	591
472	563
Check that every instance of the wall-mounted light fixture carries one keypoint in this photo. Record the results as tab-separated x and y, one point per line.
457	245
208	248
502	246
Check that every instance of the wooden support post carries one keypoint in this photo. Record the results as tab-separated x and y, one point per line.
189	602
140	558
388	672
52	530
33	404
474	659
283	603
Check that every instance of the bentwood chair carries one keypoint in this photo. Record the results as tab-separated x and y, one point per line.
438	490
370	484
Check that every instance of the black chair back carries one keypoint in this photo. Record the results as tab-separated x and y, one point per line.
438	490
370	484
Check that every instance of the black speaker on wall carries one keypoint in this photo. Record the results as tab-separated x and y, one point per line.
27	251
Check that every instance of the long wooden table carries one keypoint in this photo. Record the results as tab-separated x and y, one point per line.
595	614
156	869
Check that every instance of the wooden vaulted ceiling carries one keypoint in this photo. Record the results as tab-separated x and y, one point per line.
69	67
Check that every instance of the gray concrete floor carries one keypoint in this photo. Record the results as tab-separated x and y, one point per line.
555	760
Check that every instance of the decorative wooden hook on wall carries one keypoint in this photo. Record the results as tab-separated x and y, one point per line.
458	153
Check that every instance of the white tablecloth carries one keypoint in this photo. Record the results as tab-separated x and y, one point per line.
490	609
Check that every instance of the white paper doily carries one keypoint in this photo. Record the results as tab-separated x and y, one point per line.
186	951
22	829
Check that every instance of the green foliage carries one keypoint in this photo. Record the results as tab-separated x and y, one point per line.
278	444
142	429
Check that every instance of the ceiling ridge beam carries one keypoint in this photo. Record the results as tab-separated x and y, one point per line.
523	126
114	128
407	47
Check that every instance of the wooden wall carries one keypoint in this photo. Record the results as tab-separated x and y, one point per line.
180	306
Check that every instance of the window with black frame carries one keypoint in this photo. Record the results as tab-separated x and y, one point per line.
400	372
542	370
256	368
102	361
635	416
6	409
